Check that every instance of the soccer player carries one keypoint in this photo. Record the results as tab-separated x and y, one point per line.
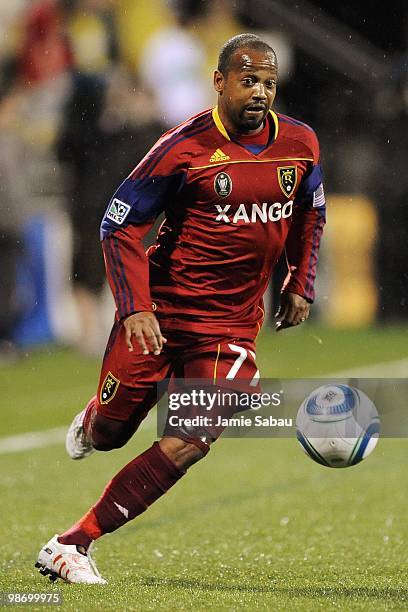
239	184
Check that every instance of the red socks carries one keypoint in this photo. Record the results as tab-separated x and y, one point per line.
136	487
83	532
128	494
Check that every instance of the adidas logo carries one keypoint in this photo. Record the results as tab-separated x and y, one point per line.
219	156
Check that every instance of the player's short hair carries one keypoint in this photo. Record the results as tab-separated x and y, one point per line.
248	41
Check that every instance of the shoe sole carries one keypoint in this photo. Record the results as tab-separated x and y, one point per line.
45	571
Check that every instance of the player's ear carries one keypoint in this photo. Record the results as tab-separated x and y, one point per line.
218	81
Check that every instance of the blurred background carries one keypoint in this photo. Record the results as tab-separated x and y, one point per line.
87	86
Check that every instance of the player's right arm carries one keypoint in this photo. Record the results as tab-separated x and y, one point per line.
131	212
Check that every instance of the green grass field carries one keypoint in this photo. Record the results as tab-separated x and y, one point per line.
256	525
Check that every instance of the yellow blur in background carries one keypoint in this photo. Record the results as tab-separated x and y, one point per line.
350	240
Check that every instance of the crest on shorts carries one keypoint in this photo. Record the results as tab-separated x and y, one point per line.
109	387
222	184
287	177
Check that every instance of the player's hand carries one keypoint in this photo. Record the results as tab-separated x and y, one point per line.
146	329
294	309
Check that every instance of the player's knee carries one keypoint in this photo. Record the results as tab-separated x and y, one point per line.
108	434
105	444
102	445
183	453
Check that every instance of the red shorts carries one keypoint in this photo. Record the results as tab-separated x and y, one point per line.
128	385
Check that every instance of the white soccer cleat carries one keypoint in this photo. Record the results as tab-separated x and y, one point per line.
77	443
64	561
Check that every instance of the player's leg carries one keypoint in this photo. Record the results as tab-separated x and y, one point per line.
147	477
127	390
141	482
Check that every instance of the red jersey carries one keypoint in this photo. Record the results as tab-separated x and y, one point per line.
230	211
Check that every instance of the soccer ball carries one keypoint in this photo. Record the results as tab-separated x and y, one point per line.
337	425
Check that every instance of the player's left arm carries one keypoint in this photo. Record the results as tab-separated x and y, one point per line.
302	245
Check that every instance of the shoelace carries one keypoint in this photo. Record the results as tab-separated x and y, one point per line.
81	561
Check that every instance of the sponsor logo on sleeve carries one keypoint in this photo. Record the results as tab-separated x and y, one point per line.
287	178
117	211
109	387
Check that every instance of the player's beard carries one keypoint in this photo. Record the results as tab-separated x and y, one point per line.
250	123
